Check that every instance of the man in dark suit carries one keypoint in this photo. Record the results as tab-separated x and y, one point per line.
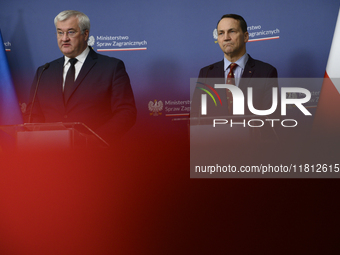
232	38
83	86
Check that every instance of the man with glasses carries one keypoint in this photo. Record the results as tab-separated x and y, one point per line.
82	86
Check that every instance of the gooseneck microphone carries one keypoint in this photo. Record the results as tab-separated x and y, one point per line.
47	65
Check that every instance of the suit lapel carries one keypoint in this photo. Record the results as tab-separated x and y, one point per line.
218	70
247	73
59	82
90	61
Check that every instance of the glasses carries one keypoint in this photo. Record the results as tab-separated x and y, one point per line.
69	34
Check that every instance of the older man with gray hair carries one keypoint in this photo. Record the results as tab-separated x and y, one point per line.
82	86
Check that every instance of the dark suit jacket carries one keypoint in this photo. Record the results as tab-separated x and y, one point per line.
262	88
102	99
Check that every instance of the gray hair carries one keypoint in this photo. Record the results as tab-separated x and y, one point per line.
84	21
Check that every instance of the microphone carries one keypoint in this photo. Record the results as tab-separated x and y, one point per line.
47	65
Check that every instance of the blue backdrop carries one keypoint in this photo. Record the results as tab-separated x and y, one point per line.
173	39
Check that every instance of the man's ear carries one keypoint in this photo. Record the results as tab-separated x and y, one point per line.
86	33
246	37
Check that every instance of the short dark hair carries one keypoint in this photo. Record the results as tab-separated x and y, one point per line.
243	23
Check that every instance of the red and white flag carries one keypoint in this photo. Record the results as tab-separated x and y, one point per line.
327	117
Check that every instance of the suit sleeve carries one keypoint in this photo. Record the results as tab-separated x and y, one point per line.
122	106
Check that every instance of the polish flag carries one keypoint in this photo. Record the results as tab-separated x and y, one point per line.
327	116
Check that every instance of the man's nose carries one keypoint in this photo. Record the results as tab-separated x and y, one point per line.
65	37
226	37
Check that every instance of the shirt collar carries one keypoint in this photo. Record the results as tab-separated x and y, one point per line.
241	62
81	58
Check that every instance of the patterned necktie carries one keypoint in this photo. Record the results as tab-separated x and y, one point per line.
231	81
69	80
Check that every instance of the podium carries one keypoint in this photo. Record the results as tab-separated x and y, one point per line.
52	136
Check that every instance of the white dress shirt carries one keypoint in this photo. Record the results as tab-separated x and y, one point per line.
238	71
81	59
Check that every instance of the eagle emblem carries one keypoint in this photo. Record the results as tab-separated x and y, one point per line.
91	41
155	107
